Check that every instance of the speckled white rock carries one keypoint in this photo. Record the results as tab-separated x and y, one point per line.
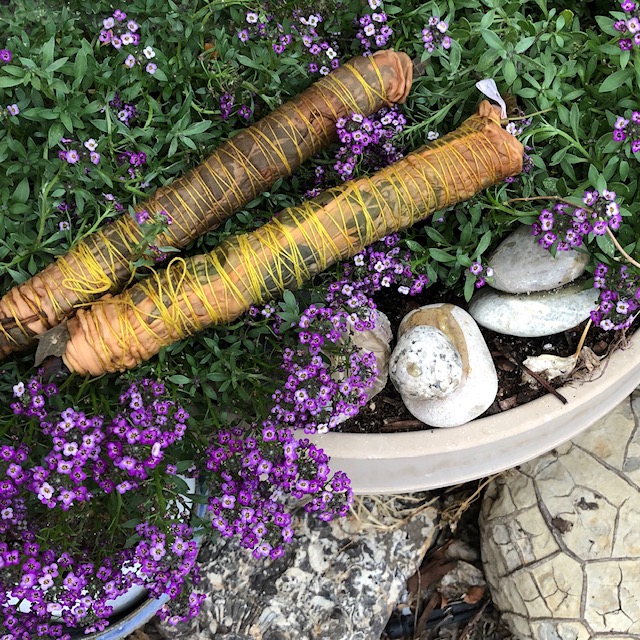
337	580
535	314
479	383
560	537
521	265
425	364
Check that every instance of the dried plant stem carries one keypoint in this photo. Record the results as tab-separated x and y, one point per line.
621	250
583	337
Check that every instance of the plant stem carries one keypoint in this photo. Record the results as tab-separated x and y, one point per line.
528	115
621	250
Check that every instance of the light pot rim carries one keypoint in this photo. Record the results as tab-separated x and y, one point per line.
433	458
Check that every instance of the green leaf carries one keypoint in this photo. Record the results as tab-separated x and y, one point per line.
615	80
414	246
469	286
56	131
198	127
527	92
509	72
160	75
6	82
80	64
454	56
492	40
48	51
21	194
606	245
524	44
594	176
574	119
606	25
485	241
179	379
441	256
56	64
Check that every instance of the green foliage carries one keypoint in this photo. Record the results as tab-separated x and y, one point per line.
560	65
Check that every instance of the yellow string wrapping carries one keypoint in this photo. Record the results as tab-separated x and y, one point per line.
195	293
234	175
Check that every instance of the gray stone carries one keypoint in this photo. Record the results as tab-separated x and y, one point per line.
479	383
425	364
376	341
338	580
534	314
560	540
521	265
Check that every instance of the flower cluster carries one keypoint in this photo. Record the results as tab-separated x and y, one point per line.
133	161
119	34
368	141
373	30
253	470
619	298
565	225
226	105
323	52
152	226
629	27
328	376
5	56
125	110
74	153
434	34
628	130
481	273
11	110
384	265
86	459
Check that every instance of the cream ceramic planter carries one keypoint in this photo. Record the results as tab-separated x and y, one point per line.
420	460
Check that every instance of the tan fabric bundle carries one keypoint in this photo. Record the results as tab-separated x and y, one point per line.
120	332
235	174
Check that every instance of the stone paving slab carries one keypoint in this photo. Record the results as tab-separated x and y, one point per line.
561	536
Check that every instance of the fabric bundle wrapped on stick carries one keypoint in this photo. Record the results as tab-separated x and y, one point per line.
235	174
192	294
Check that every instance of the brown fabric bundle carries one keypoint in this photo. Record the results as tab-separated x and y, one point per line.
234	175
118	333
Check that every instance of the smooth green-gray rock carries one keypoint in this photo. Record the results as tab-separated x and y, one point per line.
532	315
521	265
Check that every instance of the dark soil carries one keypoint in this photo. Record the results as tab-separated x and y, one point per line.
386	412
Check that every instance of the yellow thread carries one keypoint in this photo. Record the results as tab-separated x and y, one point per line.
200	200
298	243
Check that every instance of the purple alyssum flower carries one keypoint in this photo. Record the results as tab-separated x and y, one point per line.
629	27
89	456
434	35
619	297
627	129
566	227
